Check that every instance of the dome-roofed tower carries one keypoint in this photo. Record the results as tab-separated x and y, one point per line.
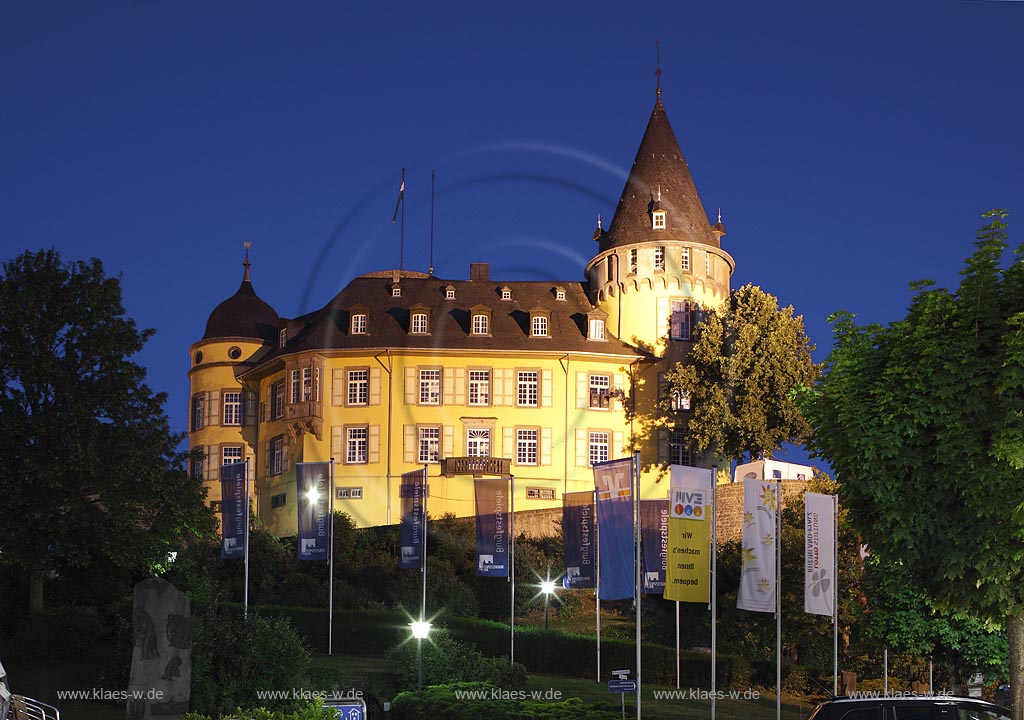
222	412
660	253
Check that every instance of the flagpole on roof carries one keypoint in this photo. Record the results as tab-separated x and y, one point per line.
430	268
400	204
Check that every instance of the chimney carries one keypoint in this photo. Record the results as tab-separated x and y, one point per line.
480	271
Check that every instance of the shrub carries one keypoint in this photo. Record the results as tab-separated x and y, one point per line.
232	658
308	711
441	701
58	632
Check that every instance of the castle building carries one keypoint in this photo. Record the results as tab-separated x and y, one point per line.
403	369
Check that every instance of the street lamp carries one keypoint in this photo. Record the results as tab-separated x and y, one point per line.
548	588
420	630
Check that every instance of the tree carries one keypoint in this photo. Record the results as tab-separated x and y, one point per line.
739	378
922	421
89	467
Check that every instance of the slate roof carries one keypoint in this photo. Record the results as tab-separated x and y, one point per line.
659	167
243	315
449	319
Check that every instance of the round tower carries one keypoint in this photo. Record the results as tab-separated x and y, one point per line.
660	261
223	413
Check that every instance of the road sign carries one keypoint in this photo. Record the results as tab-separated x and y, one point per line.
621	686
349	709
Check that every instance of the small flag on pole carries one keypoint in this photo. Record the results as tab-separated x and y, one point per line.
401	198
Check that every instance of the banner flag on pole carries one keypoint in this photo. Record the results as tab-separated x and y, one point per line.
578	540
819	553
613	481
411	492
232	511
401	197
312	482
689	534
654	544
491	527
757	560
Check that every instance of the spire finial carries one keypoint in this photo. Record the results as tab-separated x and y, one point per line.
659	192
719	214
599	221
246	264
657	72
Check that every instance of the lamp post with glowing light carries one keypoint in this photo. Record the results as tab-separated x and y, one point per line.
548	588
420	630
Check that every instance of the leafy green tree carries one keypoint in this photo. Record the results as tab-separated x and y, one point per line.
88	465
922	421
739	377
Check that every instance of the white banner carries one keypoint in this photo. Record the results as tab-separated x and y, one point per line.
757	563
819	553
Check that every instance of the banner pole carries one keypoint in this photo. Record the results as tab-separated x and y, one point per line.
245	606
423	559
636	576
597	584
835	595
678	666
512	567
778	599
714	586
330	571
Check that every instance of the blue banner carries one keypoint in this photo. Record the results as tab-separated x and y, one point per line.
312	482
233	501
492	501
654	544
614	483
413	529
578	539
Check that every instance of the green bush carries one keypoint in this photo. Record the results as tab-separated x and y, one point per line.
58	632
232	658
308	711
441	702
447	660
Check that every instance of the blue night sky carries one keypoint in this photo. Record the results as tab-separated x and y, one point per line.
852	148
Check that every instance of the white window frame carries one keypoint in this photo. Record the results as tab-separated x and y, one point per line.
359	324
684	260
430	386
349	493
428	444
527	446
234	452
679	452
282	337
449	293
479	390
479	441
276	460
658	220
659	257
396	291
600	391
357	445
277	400
596	329
357	387
481	324
539	326
598	446
231	413
418	324
198	412
527	388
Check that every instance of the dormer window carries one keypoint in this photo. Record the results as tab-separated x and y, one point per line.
282	337
659	258
359	324
596	329
396	291
480	320
539	320
506	293
560	294
449	293
419	323
658	219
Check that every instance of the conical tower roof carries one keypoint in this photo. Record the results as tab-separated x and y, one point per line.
243	315
659	179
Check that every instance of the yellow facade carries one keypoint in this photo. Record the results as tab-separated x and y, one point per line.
383	383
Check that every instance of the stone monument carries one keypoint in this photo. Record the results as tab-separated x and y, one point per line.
161	674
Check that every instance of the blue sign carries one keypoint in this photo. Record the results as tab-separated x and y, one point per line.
349	710
621	686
